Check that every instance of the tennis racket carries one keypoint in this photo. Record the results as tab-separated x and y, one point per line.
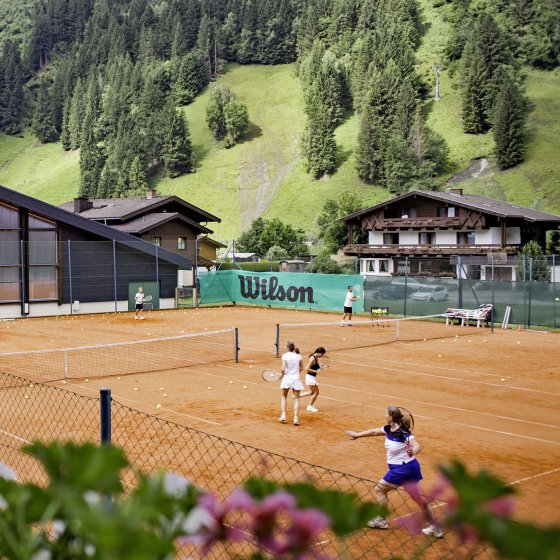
271	375
325	362
358	290
147	298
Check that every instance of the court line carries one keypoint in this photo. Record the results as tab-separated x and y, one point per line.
501	432
451	378
144	404
14	436
546	473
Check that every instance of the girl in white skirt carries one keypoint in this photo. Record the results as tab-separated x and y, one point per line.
291	369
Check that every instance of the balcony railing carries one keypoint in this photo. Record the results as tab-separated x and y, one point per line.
420	222
387	249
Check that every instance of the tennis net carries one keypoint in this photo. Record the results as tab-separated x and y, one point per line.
123	358
364	333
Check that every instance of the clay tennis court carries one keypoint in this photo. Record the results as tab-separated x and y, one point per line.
490	400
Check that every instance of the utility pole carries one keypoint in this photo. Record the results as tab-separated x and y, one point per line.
437	69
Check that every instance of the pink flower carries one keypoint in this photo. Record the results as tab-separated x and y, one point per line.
500	507
301	536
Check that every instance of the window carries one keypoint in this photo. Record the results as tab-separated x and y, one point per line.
10	254
384	265
426	238
181	243
442	212
43	259
156	241
390	239
465	238
451	212
369	266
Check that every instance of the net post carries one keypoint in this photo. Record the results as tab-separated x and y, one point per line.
65	365
398	329
236	342
277	343
105	415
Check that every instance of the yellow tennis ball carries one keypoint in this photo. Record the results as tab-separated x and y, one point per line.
439	355
161	388
443	340
244	386
230	382
87	379
64	382
26	397
118	377
250	367
136	388
165	394
343	339
209	388
158	406
518	342
503	379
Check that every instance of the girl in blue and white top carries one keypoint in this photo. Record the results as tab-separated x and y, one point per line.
291	369
404	468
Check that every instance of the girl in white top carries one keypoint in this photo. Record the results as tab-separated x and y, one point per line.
291	369
402	448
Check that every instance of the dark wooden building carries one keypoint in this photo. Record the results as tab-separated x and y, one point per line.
51	258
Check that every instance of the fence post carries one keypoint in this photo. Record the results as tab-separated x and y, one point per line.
115	273
530	292
277	343
310	270
105	407
157	270
70	276
236	340
493	308
405	284
459	279
554	291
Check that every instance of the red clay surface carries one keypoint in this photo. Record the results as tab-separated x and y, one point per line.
490	400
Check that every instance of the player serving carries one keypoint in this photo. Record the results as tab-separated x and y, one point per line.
402	448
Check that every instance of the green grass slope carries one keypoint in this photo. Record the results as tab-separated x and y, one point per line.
265	175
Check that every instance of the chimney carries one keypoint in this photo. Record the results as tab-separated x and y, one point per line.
82	203
458	192
151	194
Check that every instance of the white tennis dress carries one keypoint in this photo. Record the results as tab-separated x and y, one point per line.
291	379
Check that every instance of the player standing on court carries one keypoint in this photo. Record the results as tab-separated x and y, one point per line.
404	468
291	368
139	300
348	301
312	369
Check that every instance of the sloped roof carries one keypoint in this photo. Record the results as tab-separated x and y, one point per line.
473	201
148	221
60	215
127	208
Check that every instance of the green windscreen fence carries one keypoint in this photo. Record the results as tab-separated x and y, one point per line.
321	292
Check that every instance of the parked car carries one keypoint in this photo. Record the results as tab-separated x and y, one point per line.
393	291
431	293
410	282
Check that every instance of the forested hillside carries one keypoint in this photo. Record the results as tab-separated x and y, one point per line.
324	97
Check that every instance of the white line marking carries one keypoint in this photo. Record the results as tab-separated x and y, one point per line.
546	473
14	436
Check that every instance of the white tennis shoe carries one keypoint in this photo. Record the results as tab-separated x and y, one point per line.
296	421
378	523
433	531
311	408
282	418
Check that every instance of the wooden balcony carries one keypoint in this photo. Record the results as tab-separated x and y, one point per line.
427	250
420	222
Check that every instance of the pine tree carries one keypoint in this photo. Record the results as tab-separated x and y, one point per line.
226	116
509	122
177	150
137	181
319	146
12	100
475	76
65	132
532	265
399	167
75	116
43	119
368	154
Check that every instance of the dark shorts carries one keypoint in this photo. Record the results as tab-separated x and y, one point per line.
347	309
139	306
400	474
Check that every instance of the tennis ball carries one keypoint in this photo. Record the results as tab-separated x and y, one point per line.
26	397
118	377
439	355
165	394
250	367
136	388
470	340
244	386
518	342
230	382
64	382
209	388
87	379
557	299
425	339
503	379
343	339
31	385
443	340
158	406
161	388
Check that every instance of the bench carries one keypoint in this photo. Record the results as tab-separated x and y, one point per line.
481	313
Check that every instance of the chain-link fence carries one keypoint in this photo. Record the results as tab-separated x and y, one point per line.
531	287
35	411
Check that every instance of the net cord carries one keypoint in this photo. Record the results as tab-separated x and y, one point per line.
364	322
